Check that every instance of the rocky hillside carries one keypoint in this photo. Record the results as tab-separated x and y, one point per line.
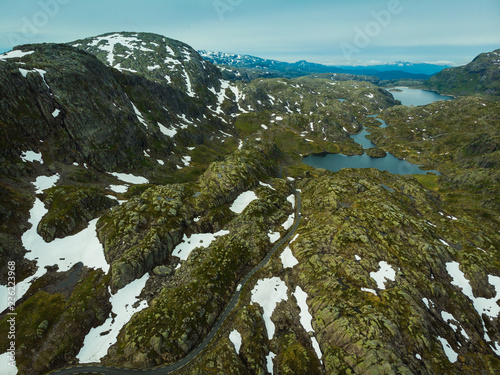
481	76
139	187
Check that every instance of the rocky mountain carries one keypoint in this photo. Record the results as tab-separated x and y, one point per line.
481	76
142	192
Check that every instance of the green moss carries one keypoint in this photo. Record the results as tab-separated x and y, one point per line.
70	209
295	358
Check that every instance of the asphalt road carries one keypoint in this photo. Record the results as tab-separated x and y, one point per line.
96	369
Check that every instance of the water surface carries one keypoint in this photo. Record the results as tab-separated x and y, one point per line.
390	163
417	97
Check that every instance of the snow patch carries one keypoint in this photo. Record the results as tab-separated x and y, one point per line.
169	132
448	350
454	324
268	293
289	222
243	200
45	182
7	367
266	185
317	349
235	338
287	258
65	252
16	54
270	363
130	178
100	339
188	244
386	272
274	236
489	307
31	156
120	189
139	116
305	315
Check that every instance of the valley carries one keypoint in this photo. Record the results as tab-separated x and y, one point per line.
144	189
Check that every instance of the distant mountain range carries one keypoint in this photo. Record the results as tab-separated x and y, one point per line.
396	70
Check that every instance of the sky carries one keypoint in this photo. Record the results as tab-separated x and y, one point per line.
336	32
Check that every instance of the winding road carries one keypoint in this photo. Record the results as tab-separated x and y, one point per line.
167	369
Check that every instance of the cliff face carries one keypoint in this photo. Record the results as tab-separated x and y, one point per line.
481	76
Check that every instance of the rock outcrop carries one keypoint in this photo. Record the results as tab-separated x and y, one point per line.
481	76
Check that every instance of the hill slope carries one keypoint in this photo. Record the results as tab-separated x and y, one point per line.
481	76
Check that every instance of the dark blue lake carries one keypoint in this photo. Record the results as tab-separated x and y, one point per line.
390	163
417	97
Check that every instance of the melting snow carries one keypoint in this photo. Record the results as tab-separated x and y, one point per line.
317	349
489	307
188	244
100	339
270	363
289	222
453	323
24	72
45	182
267	185
386	272
130	178
111	40
305	316
7	368
243	200
169	132
56	113
66	252
186	160
119	188
31	156
426	303
291	199
274	236
450	353
235	338
268	293
14	54
287	258
189	86
139	116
